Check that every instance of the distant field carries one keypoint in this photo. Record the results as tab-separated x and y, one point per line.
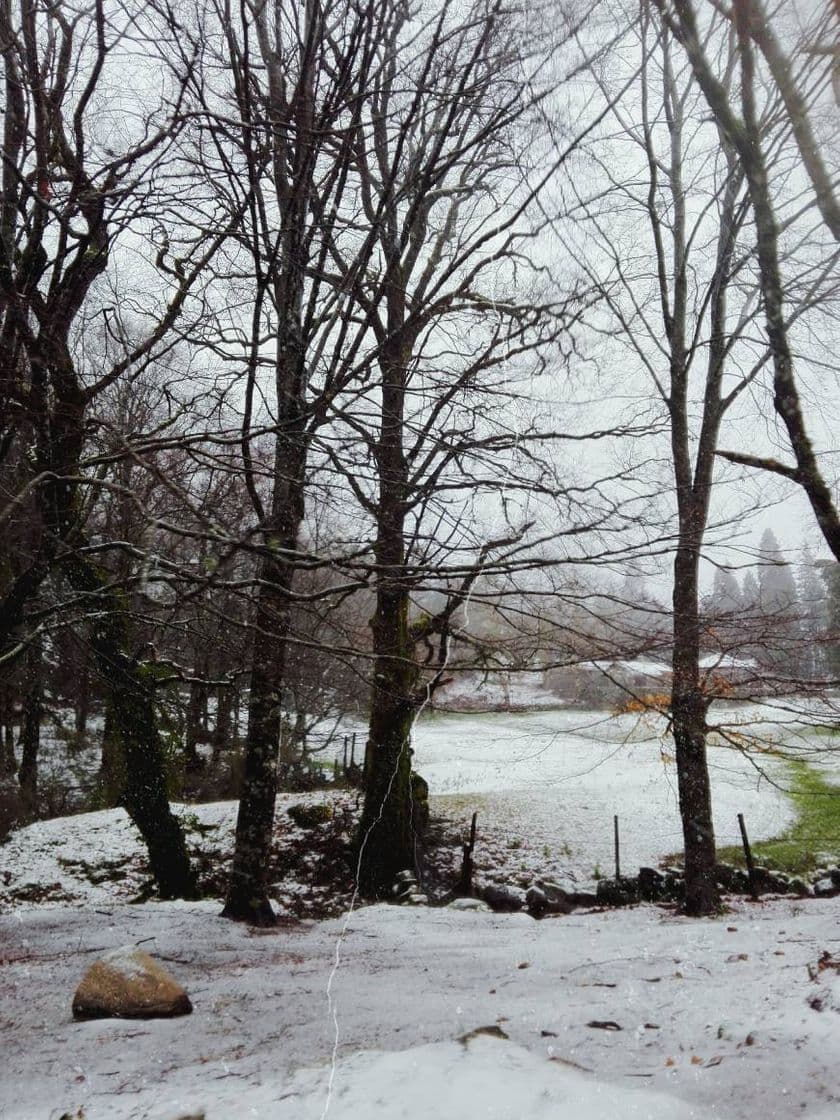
547	785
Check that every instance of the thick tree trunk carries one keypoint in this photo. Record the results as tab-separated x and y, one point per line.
131	697
688	715
30	727
247	898
386	842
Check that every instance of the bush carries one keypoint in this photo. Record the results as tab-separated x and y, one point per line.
310	816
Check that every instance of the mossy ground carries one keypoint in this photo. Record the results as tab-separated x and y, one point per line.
813	840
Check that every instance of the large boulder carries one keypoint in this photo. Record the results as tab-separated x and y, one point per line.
129	984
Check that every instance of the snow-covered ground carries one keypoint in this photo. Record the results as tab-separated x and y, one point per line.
608	1015
546	786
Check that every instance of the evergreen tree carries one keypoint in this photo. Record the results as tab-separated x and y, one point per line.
813	615
777	589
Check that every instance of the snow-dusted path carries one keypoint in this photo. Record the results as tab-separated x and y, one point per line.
713	1014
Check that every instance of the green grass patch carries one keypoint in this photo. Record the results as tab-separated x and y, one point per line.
812	840
824	730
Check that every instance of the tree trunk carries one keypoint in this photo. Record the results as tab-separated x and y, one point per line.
30	727
82	706
223	731
688	715
111	780
386	837
386	843
247	898
131	697
193	728
8	764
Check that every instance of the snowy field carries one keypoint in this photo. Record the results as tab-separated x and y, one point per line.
608	1016
546	786
634	1014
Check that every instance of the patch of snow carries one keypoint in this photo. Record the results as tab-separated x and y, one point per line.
610	1016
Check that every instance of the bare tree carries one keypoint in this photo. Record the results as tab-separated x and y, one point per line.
753	136
682	179
452	156
66	201
297	78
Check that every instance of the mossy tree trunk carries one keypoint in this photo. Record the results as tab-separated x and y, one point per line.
386	836
132	716
386	839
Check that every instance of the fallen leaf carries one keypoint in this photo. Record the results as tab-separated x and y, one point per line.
568	1062
492	1032
604	1025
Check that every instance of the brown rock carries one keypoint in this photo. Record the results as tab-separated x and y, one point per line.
128	984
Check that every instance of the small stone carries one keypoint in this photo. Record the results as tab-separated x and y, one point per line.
474	904
800	887
129	984
824	888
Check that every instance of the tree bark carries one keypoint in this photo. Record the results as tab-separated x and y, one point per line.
223	730
386	837
688	716
131	698
386	843
193	728
82	706
247	899
8	764
30	726
111	778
